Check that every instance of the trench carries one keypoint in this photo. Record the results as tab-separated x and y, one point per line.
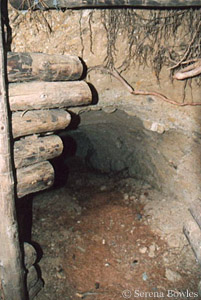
111	228
112	225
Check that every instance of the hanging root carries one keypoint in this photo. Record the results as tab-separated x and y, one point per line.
188	48
154	37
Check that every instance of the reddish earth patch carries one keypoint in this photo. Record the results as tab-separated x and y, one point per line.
96	245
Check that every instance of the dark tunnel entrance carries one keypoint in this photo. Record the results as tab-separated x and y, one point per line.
111	227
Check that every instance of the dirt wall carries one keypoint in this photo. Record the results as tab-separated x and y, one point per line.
165	148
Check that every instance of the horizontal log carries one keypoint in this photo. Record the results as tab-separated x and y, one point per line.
39	121
32	277
30	255
35	289
37	95
41	66
195	210
34	149
34	178
193	233
26	4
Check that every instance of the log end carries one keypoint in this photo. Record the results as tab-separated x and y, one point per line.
35	289
30	255
34	178
34	149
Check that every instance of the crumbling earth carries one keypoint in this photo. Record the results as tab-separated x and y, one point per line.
109	237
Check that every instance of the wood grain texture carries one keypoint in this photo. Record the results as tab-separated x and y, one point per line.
30	255
11	267
35	289
39	121
40	66
34	178
34	149
32	277
38	95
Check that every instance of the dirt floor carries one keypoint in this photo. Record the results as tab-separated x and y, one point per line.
112	237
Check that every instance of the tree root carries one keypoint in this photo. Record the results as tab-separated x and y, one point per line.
131	90
188	49
189	71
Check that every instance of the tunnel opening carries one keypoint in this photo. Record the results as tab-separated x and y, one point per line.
111	226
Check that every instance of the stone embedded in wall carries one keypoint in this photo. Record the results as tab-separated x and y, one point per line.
154	126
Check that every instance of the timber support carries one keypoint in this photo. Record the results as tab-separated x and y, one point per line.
49	4
40	89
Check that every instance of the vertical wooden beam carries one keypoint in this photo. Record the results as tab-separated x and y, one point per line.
11	268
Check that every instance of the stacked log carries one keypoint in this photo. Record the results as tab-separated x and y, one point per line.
46	95
34	149
35	289
34	282
34	178
40	66
30	255
41	88
39	121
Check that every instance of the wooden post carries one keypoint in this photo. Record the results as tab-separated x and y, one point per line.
11	267
26	4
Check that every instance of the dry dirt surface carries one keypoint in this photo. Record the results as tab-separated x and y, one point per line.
110	237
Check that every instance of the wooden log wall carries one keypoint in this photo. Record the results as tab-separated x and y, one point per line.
34	283
41	87
38	106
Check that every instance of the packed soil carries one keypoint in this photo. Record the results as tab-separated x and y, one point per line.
106	237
